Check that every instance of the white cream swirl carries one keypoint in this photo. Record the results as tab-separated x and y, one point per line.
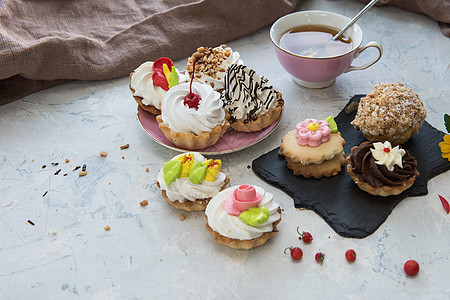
217	80
142	83
180	118
385	155
183	189
232	226
247	95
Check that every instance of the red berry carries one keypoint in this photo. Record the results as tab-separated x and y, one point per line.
192	100
320	257
350	255
411	267
306	236
296	252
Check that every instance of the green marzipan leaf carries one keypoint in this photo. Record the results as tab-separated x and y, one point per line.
447	122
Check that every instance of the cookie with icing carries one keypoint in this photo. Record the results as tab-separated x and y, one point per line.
314	149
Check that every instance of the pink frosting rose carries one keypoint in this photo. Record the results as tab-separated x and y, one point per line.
312	132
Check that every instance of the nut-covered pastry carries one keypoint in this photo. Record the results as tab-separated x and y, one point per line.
314	149
211	65
188	181
251	102
243	217
390	112
380	169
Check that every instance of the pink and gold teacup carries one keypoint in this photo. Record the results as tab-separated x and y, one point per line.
319	70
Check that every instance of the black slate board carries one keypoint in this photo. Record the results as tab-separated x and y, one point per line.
350	211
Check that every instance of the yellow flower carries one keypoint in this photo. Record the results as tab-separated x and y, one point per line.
445	147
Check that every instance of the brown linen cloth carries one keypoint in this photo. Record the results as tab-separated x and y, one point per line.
436	9
48	42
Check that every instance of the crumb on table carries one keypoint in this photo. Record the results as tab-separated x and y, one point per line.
144	203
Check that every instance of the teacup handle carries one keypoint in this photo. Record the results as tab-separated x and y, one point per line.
360	50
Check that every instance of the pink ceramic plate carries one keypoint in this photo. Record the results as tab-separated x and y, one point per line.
231	141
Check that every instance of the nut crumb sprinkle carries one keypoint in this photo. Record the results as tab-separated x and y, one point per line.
103	153
125	146
106	228
390	110
209	61
67	160
144	203
182	217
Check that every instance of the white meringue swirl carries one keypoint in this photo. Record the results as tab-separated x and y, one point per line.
182	189
142	83
180	118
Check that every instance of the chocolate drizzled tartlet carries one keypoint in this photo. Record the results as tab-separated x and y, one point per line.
251	102
381	170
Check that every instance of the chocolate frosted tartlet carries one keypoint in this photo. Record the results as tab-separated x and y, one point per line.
381	170
250	100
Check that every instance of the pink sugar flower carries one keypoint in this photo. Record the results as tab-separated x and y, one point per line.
312	132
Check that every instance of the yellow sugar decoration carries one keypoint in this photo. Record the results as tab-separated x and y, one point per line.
166	72
186	164
313	126
212	169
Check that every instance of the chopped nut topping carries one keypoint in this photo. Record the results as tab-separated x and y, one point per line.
67	160
107	228
389	109
125	146
103	153
182	217
144	203
82	173
208	60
